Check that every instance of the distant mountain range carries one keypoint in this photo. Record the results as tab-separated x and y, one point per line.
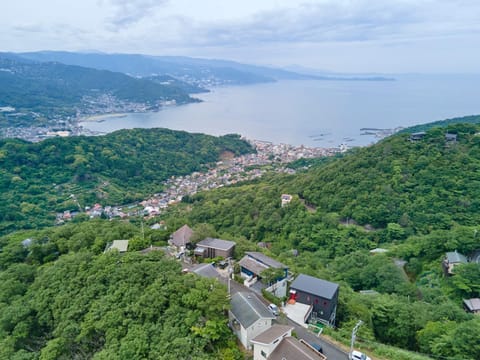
207	72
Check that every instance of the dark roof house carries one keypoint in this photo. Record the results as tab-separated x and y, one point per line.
417	136
321	294
451	137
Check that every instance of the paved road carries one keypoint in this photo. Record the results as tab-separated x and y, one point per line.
330	350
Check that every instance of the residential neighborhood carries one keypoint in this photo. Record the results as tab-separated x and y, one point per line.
225	173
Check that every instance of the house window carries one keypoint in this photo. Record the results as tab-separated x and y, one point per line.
264	354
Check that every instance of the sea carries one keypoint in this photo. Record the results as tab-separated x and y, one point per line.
314	113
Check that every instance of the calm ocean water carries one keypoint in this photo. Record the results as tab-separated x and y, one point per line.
315	113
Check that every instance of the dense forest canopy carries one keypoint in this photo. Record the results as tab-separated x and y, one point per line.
37	179
62	298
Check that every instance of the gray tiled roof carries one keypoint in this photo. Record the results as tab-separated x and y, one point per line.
315	286
247	309
472	304
266	260
217	244
268	336
252	265
455	257
206	270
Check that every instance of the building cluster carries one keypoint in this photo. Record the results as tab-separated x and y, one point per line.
108	103
229	172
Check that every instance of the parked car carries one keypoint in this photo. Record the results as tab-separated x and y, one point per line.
317	347
357	355
273	309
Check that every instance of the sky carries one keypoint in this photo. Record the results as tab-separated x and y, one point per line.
356	36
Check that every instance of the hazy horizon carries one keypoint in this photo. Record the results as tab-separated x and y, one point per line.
344	36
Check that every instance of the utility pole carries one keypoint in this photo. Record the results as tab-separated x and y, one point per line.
354	335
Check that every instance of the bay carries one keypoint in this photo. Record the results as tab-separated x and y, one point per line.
314	113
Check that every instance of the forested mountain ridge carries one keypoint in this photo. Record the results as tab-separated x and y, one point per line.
37	179
427	183
208	72
44	91
471	119
418	185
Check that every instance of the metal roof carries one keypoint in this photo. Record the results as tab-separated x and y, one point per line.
247	309
270	335
472	304
206	270
315	286
292	349
252	265
120	245
455	257
266	260
217	244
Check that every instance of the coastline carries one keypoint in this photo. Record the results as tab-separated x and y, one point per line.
102	117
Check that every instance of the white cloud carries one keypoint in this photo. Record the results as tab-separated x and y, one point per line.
266	31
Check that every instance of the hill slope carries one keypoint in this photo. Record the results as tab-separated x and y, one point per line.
62	298
43	91
417	200
38	178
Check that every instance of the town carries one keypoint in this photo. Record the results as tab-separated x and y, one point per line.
268	157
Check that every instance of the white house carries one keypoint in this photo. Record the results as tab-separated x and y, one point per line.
248	317
266	342
277	343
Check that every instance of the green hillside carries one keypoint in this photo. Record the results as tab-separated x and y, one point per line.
39	179
62	298
417	200
53	90
472	119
